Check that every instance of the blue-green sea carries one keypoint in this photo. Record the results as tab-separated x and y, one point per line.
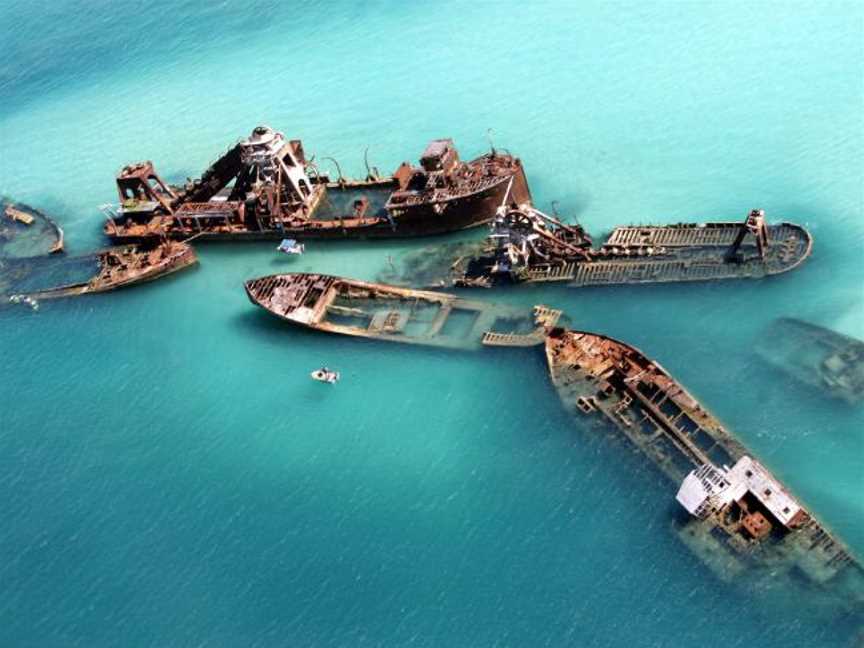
169	474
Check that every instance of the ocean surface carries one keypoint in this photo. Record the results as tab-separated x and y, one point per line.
171	477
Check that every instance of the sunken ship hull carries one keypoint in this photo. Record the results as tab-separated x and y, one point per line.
736	517
816	356
528	246
27	232
361	309
688	253
106	270
264	188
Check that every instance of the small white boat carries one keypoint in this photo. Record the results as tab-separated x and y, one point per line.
325	375
290	246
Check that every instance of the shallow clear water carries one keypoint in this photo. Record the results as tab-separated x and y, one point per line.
171	476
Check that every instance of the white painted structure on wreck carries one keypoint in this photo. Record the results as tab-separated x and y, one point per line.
709	489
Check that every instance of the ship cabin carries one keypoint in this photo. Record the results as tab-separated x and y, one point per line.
142	191
747	497
440	156
271	160
438	165
258	182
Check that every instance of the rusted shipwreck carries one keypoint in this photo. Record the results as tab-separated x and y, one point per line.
265	188
816	356
361	309
740	519
27	232
117	267
525	245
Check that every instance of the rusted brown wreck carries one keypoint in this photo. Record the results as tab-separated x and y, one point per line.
113	268
527	246
370	310
738	518
265	188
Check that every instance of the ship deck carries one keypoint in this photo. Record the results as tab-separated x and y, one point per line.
687	253
594	373
361	309
631	255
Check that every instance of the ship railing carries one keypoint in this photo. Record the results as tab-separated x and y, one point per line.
110	210
553	273
491	338
445	194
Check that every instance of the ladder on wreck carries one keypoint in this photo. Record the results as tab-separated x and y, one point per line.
491	338
545	316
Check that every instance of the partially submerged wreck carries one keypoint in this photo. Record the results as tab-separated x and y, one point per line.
525	245
265	188
109	269
740	519
361	309
27	232
817	356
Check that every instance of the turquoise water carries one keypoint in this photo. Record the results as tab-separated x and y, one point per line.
171	476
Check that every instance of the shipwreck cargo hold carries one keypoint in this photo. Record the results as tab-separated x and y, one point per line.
265	188
525	245
361	309
740	519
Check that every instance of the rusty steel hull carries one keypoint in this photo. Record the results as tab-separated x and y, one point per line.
617	386
427	219
526	246
444	195
377	311
109	278
790	245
